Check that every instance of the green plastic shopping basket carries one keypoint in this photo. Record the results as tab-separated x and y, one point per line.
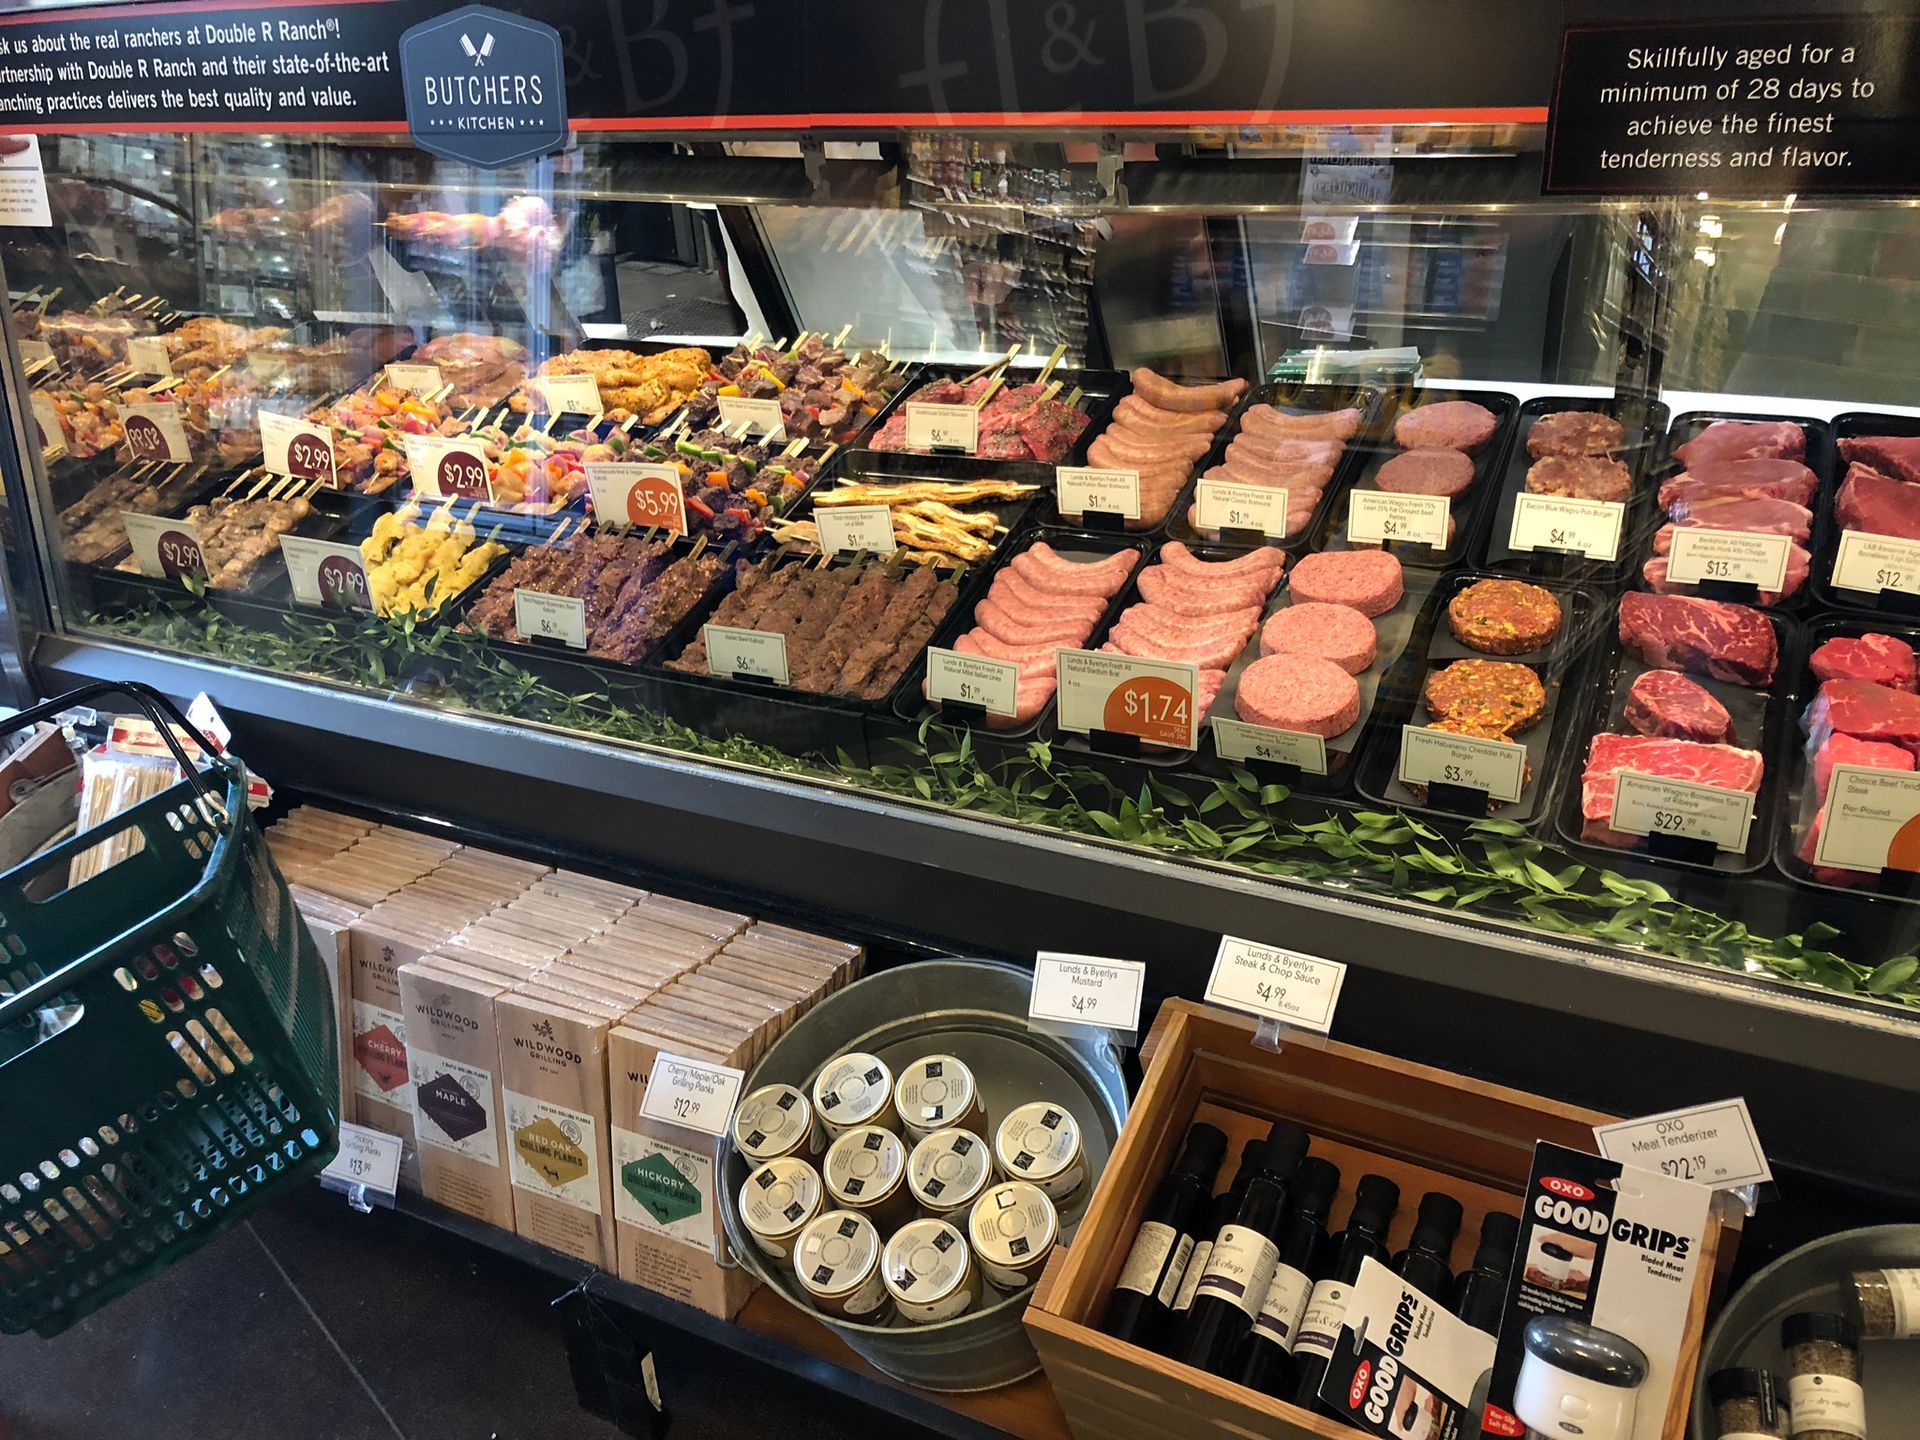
167	1056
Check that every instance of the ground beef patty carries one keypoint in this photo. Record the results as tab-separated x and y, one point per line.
1298	692
1449	424
1478	731
1338	633
1429	471
1503	617
1368	580
1497	693
1575	432
1580	477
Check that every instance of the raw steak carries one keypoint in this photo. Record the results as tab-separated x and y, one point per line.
1727	766
1745	440
1865	711
1741	480
1878	504
1881	659
1895	455
1799	565
1710	637
1845	750
1757	517
1672	707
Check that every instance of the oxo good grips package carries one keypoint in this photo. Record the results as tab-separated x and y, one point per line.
1597	1306
1405	1368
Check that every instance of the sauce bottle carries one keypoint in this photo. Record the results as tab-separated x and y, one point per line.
1365	1238
1142	1302
1217	1215
1269	1366
1423	1264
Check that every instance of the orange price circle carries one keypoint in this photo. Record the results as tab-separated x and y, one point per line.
1156	710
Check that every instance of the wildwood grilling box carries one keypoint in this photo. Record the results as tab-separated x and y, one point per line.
1426	1130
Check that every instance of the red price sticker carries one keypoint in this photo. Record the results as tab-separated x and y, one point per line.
298	448
638	495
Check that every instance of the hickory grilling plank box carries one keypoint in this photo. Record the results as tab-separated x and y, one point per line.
1425	1129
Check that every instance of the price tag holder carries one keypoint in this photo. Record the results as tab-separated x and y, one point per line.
1869	824
366	1168
297	447
1074	991
52	437
1221	506
943	427
754	654
165	549
854	528
692	1094
1433	757
957	679
555	619
1713	1145
149	357
761	416
1080	491
444	468
1377	516
416	379
154	432
641	495
1556	522
1138	701
327	573
1285	988
1655	806
571	395
1237	740
1735	557
1876	562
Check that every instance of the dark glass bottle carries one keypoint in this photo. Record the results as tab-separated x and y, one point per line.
1241	1264
1424	1263
1482	1292
1303	1250
1375	1200
1142	1300
1174	1333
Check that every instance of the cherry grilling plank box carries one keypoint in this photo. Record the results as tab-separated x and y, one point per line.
1424	1129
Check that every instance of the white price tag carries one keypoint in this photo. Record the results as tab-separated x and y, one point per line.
52	437
165	549
1655	805
761	416
1377	516
1221	506
638	495
444	468
367	1158
1713	1145
943	427
539	616
154	432
297	447
855	528
1557	522
1085	990
1284	985
415	379
1150	699
1078	489
324	572
758	653
1434	757
1869	820
149	357
571	394
1737	556
1876	562
1237	740
993	685
691	1093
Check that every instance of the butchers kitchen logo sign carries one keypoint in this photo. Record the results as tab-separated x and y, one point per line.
484	87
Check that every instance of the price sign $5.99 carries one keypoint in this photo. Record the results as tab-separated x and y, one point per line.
691	1093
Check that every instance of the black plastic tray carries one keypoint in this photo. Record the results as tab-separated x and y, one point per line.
1762	721
1561	665
1893	603
1643	444
1329	533
1101	391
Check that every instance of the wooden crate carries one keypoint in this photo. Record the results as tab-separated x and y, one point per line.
1424	1129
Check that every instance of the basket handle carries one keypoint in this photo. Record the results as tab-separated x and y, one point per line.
155	706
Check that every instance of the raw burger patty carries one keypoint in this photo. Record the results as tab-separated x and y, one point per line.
1450	424
1367	580
1298	692
1668	704
1575	432
1503	617
1338	633
1498	693
1428	471
1580	477
1882	659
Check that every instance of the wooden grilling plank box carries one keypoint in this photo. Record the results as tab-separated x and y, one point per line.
1424	1129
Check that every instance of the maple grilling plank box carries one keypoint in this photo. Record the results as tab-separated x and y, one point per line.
1424	1129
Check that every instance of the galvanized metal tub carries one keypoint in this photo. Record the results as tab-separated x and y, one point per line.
975	1010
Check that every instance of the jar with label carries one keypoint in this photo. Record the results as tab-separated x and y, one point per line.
776	1202
773	1122
930	1273
1746	1405
1013	1228
866	1170
837	1262
948	1171
852	1091
1886	1304
939	1093
1823	1384
1040	1143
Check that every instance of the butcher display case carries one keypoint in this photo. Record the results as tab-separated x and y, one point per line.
1097	537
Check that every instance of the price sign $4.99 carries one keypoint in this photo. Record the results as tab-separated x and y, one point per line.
691	1093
